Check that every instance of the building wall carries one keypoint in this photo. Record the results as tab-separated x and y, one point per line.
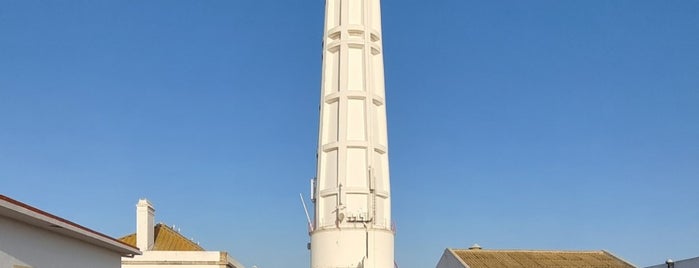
23	245
448	260
180	259
688	263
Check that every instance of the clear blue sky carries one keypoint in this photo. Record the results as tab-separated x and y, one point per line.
513	124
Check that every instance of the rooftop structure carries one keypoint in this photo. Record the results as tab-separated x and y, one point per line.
163	246
476	257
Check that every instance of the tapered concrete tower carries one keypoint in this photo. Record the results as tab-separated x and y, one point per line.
352	197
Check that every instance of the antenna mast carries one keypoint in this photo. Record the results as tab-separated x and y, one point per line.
308	217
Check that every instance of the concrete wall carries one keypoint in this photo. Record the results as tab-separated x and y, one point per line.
180	259
23	245
448	260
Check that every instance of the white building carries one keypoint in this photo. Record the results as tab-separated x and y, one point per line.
688	263
163	246
30	237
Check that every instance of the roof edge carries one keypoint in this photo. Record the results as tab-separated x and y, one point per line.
619	258
80	232
228	259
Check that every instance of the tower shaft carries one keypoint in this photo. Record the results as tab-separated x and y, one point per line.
352	197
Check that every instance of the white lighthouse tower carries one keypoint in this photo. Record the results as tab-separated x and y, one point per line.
351	193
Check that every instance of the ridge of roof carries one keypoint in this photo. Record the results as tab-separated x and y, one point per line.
530	250
96	237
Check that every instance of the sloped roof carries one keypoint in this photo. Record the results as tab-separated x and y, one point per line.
479	258
27	214
166	239
693	262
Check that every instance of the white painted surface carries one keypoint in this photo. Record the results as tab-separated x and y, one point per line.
449	260
31	216
352	222
350	248
181	259
26	245
145	225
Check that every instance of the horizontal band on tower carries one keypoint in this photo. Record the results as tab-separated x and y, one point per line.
355	95
350	144
352	190
334	45
374	228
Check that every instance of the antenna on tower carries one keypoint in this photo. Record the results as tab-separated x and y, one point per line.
305	209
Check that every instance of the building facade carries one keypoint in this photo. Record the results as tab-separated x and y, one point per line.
30	237
687	263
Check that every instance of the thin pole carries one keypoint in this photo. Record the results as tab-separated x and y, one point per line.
305	209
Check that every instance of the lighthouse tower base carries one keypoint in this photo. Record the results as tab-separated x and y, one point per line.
352	248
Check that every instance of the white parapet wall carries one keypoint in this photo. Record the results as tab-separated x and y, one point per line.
182	259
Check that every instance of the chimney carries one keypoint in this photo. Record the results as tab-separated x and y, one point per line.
145	225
